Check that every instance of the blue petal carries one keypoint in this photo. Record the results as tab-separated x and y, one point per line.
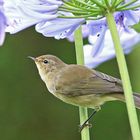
98	46
40	2
93	62
1	2
128	40
131	18
85	33
17	25
58	2
3	23
2	28
58	28
95	26
23	13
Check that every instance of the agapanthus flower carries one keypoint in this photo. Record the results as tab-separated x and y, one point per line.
63	28
60	26
124	24
25	13
101	46
43	14
2	23
59	18
93	59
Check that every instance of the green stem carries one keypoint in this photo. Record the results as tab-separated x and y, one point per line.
80	60
113	3
107	3
127	4
118	3
98	3
80	16
125	78
129	8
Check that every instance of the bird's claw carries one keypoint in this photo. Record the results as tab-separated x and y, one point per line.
81	127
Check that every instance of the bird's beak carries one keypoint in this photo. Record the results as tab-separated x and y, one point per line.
33	58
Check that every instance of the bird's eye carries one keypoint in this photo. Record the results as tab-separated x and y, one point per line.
45	61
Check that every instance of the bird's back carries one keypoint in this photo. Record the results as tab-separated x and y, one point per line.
79	85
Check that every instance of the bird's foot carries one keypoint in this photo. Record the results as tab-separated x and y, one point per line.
81	127
86	124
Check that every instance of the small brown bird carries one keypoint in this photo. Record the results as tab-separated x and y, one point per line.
79	85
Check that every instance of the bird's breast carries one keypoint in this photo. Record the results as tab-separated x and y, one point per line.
90	101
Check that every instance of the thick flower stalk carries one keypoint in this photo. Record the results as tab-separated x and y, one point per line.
2	23
83	112
125	78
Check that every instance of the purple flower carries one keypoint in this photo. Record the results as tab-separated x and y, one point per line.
57	18
101	47
93	59
25	13
62	29
123	22
2	23
43	14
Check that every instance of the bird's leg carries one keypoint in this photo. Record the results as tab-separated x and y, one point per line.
81	127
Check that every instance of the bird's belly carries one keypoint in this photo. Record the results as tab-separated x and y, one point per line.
90	101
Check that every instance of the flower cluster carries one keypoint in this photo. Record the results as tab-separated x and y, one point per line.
2	23
60	18
101	46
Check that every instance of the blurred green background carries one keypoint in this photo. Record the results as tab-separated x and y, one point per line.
29	112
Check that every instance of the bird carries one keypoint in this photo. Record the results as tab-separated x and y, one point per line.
79	85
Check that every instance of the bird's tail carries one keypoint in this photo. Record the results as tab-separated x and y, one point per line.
137	100
122	98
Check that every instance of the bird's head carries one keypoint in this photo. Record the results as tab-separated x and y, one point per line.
47	64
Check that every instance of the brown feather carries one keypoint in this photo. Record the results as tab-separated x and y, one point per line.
85	82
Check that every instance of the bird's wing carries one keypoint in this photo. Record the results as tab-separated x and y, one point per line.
79	80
